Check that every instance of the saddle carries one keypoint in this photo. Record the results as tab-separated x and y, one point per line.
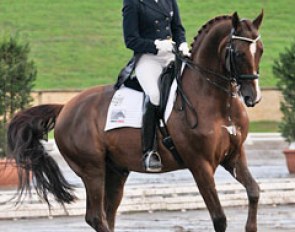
167	77
169	74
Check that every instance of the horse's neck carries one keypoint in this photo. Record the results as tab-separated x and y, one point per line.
206	50
198	84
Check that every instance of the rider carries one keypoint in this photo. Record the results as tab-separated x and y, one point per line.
151	28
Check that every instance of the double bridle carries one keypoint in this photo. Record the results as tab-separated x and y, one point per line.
232	76
231	62
232	79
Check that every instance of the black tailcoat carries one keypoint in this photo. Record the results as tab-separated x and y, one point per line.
144	21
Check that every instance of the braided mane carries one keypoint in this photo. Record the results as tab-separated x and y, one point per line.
205	29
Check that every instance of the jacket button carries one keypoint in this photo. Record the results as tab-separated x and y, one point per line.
167	18
167	28
157	21
158	30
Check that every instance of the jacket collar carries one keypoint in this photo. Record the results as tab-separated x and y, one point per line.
159	7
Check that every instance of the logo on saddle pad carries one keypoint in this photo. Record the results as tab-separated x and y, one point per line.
118	116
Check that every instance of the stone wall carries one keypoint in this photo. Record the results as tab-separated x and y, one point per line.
267	110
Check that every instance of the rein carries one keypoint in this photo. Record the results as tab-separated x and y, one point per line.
179	58
197	67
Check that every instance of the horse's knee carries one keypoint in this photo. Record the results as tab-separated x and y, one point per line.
219	223
254	193
254	198
96	224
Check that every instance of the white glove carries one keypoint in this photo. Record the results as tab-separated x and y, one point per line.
164	45
183	47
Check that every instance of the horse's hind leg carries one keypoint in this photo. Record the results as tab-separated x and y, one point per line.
203	174
114	186
94	181
241	172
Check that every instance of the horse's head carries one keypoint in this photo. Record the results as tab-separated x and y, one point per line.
242	57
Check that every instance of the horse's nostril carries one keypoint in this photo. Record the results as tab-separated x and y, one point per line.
248	101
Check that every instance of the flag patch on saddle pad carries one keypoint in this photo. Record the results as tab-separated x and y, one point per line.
125	109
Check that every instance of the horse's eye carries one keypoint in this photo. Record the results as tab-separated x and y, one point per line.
239	54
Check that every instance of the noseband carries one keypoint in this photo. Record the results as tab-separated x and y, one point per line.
230	60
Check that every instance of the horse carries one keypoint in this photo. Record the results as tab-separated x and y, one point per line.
219	80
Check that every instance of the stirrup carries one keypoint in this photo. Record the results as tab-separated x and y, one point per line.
152	161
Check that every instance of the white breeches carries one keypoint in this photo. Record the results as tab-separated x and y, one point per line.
148	71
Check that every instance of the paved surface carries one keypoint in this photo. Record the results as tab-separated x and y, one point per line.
270	219
266	162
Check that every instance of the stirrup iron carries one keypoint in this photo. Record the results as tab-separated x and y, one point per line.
152	156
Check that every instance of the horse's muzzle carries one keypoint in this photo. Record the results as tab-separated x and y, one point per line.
250	102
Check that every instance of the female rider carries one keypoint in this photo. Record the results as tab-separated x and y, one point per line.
151	28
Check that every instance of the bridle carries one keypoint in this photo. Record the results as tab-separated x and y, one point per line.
233	76
230	60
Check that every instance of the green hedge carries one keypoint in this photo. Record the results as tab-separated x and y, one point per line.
17	74
284	69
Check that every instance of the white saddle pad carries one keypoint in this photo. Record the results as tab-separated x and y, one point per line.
125	109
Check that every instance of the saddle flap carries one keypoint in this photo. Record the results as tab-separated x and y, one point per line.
166	80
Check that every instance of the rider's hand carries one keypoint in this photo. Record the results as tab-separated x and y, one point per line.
183	47
164	45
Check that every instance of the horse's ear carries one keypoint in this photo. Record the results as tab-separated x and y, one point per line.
235	21
258	20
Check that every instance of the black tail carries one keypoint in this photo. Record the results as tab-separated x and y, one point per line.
24	135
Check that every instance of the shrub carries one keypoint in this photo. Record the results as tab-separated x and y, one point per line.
284	70
17	74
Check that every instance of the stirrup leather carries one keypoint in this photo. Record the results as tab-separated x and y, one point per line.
152	156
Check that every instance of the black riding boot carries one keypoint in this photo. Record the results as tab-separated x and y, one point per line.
152	159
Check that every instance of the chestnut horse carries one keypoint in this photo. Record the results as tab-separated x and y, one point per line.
219	80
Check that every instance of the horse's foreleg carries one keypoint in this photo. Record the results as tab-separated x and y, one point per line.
204	177
94	180
244	176
114	186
